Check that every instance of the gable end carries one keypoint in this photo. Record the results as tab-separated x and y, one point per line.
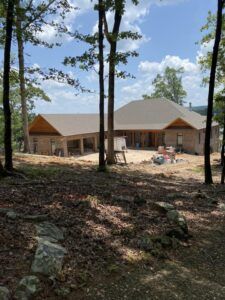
41	127
179	124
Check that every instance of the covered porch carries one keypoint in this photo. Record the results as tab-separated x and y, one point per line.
143	138
79	145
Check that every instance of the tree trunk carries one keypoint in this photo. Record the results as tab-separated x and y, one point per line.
208	171
101	88
111	95
1	168
111	87
24	113
6	88
222	154
223	142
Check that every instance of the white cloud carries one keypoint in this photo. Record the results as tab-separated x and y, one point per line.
176	62
65	98
204	49
50	35
192	79
132	18
130	22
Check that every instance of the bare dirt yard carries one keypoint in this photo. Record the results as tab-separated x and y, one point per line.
117	240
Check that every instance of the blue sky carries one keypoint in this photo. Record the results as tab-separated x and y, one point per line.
170	30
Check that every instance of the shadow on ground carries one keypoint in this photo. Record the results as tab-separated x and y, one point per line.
102	225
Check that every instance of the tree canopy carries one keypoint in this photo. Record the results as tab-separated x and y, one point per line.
169	86
33	93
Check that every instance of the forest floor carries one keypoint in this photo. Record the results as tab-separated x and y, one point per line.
102	226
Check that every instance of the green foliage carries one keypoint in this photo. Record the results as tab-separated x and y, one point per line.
33	93
35	14
205	61
146	97
219	108
169	86
88	60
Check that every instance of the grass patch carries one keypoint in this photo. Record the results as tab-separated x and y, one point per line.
216	170
35	172
198	170
105	169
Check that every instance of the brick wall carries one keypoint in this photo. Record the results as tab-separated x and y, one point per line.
193	140
43	143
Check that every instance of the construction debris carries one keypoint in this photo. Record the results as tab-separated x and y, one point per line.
165	156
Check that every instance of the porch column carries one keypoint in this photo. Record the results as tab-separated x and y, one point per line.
81	146
95	144
142	140
156	139
65	148
133	139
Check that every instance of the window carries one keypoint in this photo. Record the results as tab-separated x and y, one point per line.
35	145
180	139
199	137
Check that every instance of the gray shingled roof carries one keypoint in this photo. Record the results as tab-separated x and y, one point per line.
154	114
73	124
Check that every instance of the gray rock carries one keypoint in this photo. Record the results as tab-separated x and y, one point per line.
182	223
28	287
46	238
175	217
165	241
62	292
48	229
4	293
48	258
12	215
20	295
124	198
164	206
172	215
173	196
35	218
145	243
177	233
222	207
3	211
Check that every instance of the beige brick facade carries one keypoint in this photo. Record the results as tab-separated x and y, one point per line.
63	146
192	141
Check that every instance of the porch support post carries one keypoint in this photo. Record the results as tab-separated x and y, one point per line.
81	146
95	144
133	139
156	137
65	148
142	139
